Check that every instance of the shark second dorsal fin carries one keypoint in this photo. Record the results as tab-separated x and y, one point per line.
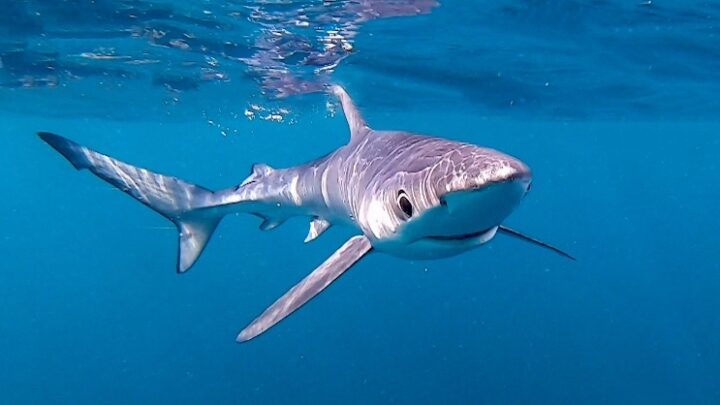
358	127
258	171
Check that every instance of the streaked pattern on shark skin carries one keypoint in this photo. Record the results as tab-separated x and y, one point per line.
425	168
408	195
368	173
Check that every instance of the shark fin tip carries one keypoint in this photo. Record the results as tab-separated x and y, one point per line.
69	149
244	336
355	120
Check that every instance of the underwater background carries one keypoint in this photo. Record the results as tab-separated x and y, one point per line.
613	104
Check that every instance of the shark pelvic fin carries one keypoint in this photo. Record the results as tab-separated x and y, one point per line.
511	232
343	259
317	227
268	224
358	127
173	198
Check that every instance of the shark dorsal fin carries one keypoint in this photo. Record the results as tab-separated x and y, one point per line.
259	170
317	227
358	127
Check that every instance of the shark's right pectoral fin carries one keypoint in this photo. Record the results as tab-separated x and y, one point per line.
343	259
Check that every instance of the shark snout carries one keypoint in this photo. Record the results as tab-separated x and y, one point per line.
523	178
506	170
520	184
513	171
487	198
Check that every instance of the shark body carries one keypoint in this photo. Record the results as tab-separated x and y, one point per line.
408	195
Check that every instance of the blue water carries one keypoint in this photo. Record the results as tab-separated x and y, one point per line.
613	105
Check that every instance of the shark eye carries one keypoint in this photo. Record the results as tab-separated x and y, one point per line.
405	204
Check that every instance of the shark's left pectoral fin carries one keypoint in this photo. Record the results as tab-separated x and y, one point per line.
343	259
511	232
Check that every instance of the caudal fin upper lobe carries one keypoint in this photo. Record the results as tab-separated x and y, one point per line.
175	199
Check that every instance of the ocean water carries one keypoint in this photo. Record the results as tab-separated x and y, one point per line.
613	104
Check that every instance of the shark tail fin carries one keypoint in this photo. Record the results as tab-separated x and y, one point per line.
175	199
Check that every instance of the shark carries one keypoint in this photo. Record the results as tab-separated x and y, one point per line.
408	195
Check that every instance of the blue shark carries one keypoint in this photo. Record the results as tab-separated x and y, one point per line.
408	195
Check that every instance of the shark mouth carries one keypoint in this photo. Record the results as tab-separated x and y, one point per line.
460	237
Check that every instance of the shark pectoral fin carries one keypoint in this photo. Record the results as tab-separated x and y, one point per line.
350	253
509	231
358	127
317	227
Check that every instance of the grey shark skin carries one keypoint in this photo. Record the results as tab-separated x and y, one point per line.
408	195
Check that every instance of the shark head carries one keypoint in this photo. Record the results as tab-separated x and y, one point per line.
440	198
